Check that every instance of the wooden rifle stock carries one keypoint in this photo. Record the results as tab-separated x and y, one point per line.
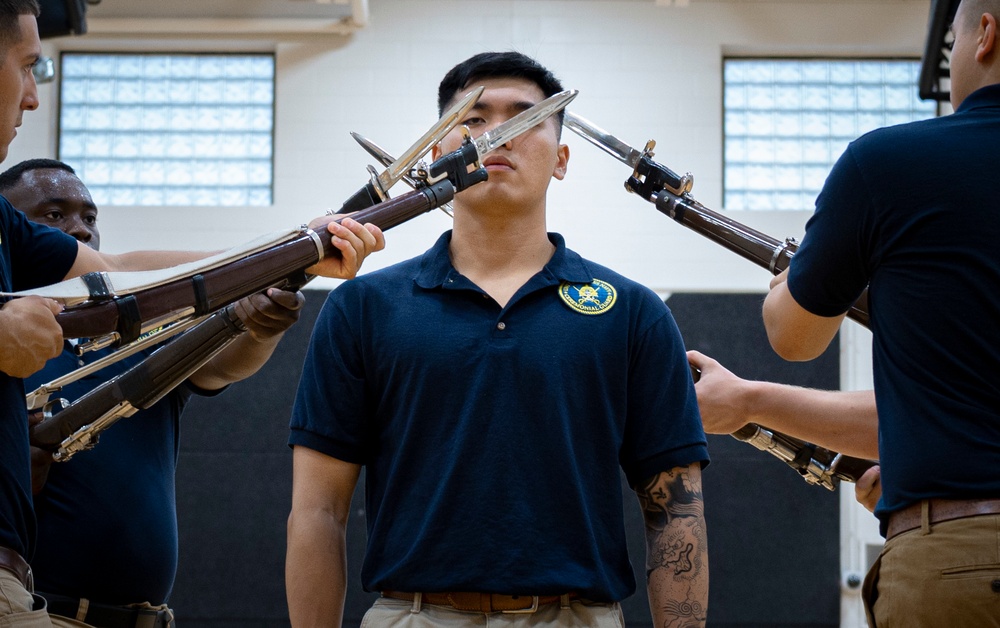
137	388
748	243
226	284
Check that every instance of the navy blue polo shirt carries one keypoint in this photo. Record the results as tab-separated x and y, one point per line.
494	438
107	518
914	211
31	255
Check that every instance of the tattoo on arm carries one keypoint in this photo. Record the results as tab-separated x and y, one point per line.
676	546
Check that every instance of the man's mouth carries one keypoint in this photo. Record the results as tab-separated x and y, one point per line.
498	163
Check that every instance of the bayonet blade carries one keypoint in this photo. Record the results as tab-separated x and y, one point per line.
377	190
503	133
602	139
385	158
648	177
401	166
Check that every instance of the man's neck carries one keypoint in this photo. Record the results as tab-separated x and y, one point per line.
500	254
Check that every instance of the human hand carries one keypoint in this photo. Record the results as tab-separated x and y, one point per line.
29	335
268	314
41	460
868	488
353	240
720	400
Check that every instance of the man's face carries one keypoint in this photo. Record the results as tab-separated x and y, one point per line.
18	92
58	199
521	170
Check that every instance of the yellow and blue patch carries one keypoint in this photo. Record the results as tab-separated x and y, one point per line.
596	297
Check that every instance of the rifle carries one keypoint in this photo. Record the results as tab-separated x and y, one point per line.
75	429
670	193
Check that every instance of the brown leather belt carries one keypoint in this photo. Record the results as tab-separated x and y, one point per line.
482	602
909	518
12	562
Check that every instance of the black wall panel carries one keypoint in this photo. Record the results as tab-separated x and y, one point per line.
774	540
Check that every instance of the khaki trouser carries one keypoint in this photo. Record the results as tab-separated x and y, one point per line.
945	574
389	613
58	621
17	604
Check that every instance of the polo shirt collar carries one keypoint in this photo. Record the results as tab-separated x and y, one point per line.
988	96
565	265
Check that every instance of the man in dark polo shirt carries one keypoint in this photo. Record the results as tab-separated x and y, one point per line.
912	212
107	526
32	256
494	388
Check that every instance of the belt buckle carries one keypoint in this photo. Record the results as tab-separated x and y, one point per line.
525	611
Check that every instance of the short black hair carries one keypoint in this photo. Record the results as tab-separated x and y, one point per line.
486	65
10	16
10	177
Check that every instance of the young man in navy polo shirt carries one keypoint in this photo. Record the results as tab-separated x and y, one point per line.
494	388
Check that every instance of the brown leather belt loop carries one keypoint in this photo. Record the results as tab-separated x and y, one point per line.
482	602
925	513
14	563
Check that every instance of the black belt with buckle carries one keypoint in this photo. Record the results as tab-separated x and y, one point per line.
106	615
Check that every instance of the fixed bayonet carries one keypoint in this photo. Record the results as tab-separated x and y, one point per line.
648	177
385	158
377	190
472	151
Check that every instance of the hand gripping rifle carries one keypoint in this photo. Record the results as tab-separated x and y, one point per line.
75	428
671	194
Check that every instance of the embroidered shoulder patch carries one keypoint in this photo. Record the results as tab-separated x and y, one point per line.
595	297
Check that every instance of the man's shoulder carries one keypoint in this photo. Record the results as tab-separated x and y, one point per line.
392	274
901	136
621	283
643	302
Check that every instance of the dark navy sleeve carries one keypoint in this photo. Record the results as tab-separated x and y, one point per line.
39	255
330	409
663	428
831	269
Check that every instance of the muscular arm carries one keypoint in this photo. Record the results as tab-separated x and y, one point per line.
842	421
676	547
316	562
795	333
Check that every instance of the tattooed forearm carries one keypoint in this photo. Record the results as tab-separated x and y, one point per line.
676	547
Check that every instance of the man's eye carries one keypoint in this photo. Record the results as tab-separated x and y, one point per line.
53	216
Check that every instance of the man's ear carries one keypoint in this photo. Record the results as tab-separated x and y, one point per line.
562	158
436	152
988	36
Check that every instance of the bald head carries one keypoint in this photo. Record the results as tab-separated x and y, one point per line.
975	54
969	11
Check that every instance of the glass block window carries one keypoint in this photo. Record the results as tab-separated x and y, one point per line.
787	121
169	129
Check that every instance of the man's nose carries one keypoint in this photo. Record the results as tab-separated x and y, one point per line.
80	231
